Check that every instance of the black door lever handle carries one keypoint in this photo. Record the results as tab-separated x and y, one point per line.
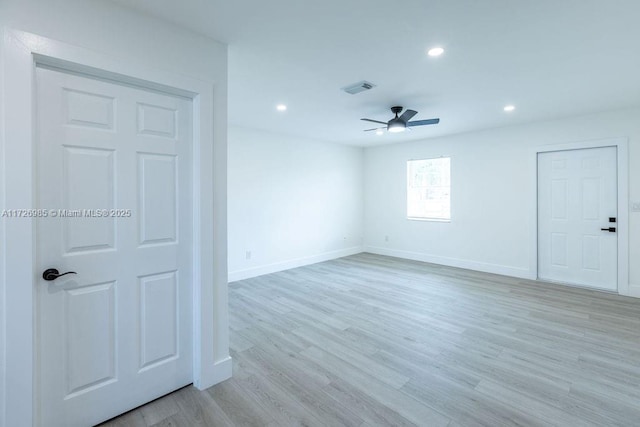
52	274
609	229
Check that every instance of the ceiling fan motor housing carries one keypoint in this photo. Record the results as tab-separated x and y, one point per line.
396	124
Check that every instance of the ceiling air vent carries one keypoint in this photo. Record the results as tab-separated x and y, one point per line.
358	87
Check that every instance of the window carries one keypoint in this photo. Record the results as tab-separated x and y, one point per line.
429	189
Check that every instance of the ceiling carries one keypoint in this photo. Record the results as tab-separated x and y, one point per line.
549	58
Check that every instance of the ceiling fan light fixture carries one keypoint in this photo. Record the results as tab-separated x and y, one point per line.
396	127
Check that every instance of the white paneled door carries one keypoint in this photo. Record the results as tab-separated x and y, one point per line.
114	198
577	217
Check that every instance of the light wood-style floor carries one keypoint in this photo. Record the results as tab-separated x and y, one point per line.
376	341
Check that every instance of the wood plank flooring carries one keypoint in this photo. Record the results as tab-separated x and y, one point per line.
368	341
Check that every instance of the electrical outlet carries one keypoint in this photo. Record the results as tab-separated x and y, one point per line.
635	207
248	255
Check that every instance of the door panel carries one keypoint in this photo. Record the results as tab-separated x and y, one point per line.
114	173
98	167
90	340
159	328
577	193
157	192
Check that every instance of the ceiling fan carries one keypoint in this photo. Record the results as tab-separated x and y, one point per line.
400	123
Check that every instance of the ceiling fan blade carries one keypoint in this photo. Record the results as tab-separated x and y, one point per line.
408	115
369	130
424	122
375	121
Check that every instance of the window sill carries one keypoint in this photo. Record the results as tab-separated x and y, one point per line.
410	218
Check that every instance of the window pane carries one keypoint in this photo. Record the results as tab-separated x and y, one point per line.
429	188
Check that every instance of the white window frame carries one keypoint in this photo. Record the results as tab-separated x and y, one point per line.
419	218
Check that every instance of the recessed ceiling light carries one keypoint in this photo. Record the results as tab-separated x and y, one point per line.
509	108
435	51
281	107
379	132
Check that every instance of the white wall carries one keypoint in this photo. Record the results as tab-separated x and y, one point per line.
291	202
108	29
492	194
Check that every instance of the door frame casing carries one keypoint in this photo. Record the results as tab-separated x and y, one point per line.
622	164
22	53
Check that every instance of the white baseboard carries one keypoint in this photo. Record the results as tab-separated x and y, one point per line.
286	265
454	262
523	273
634	290
215	374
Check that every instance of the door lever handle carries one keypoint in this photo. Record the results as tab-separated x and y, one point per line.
609	229
52	274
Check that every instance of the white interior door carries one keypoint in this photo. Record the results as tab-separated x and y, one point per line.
577	198
118	333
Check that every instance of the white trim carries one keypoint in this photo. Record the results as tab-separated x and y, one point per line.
3	250
412	218
293	263
622	149
19	261
453	262
21	53
216	373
